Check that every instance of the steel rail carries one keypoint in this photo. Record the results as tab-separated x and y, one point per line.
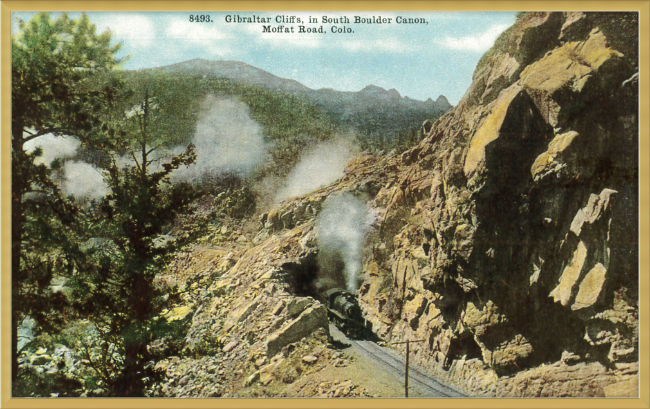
417	372
417	375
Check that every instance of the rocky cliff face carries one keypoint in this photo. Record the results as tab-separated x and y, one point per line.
511	237
507	239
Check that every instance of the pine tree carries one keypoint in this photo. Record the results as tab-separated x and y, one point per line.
115	286
53	63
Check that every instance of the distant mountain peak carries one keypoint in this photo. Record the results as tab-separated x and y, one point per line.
442	104
442	100
375	91
237	71
372	88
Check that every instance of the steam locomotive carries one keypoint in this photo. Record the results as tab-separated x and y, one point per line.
344	311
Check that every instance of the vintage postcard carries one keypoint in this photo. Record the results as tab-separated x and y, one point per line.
324	204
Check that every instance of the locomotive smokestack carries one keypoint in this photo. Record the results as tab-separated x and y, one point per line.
341	229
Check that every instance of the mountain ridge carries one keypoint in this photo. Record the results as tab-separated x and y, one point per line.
381	117
246	73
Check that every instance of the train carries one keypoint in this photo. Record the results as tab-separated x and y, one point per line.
344	311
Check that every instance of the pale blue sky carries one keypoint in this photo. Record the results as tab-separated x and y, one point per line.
419	60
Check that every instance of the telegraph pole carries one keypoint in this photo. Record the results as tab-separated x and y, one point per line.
406	369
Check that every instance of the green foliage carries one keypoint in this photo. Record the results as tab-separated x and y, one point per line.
52	64
50	368
289	122
32	383
114	284
209	345
407	138
112	252
171	335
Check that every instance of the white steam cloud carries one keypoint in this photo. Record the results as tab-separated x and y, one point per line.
83	181
54	147
80	179
227	140
341	229
322	165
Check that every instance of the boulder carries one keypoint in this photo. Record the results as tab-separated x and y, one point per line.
556	157
278	307
478	321
309	321
230	346
517	124
298	305
595	210
180	313
509	355
310	359
253	378
584	276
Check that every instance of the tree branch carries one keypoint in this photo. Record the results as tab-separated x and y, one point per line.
37	191
50	98
136	161
47	131
103	374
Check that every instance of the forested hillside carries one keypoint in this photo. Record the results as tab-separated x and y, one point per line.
380	119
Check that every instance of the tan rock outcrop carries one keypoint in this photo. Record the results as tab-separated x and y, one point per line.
309	321
522	248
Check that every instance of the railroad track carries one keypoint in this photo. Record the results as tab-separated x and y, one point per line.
423	380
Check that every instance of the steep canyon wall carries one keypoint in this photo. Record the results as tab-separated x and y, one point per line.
510	239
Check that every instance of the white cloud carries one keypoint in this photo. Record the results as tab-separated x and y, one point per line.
196	33
136	28
213	42
477	43
386	45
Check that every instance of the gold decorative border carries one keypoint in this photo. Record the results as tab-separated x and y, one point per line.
643	7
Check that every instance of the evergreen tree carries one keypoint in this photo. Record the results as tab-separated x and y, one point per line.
115	284
52	66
